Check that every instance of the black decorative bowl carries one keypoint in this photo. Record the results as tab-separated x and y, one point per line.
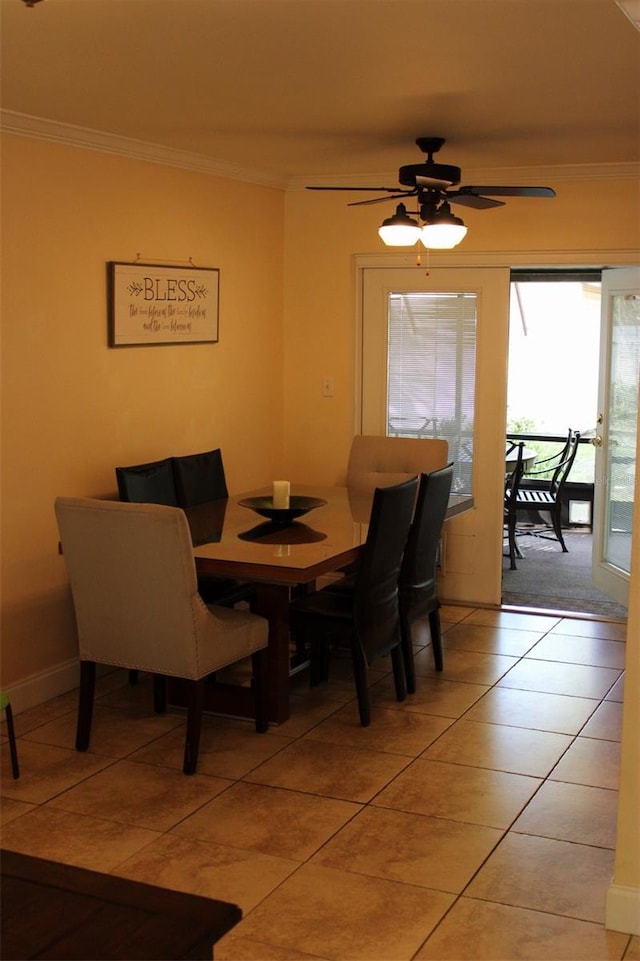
298	506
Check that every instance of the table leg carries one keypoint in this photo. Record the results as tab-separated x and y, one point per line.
272	602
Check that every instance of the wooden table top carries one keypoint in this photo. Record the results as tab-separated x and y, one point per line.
53	910
234	540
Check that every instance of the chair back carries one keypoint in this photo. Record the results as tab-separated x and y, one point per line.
199	478
418	582
375	598
551	473
150	483
514	479
563	468
133	582
383	461
547	465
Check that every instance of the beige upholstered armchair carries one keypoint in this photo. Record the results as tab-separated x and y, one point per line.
137	606
382	461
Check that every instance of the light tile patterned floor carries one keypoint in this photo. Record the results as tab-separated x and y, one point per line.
475	820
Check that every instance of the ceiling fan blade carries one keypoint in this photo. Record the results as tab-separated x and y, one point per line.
510	191
473	200
379	200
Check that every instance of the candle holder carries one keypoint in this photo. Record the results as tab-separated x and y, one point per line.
298	505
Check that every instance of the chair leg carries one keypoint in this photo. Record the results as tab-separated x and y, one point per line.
407	655
512	543
13	750
436	639
194	725
319	644
259	661
159	694
398	672
85	704
557	529
361	675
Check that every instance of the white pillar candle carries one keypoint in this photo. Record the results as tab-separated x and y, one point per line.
281	494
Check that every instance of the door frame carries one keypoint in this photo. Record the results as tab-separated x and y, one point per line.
471	567
600	259
605	576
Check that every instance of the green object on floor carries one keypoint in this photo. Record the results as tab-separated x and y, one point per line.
5	705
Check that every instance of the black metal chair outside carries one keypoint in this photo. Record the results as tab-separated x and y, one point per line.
512	486
546	498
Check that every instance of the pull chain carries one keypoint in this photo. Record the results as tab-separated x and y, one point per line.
419	263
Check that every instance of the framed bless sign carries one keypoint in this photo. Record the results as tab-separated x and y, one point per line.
150	304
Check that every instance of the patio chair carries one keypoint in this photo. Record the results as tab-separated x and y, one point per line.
547	497
511	488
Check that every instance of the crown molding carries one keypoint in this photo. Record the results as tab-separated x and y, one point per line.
39	128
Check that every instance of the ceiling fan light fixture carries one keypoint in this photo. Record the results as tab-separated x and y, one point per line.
442	230
400	230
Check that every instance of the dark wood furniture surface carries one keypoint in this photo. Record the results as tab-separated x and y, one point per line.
234	541
52	910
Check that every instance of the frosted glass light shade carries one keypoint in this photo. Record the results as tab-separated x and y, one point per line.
400	230
442	236
400	235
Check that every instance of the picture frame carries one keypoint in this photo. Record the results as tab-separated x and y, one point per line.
161	305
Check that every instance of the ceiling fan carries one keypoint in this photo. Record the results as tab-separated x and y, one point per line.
435	186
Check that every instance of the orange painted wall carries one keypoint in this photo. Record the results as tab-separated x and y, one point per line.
322	237
73	409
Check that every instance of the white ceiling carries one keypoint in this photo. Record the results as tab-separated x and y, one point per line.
293	91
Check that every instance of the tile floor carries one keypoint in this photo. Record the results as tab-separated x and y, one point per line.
475	820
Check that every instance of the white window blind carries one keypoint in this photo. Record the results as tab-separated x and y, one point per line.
431	373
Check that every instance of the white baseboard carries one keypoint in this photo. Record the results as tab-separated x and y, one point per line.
622	911
42	687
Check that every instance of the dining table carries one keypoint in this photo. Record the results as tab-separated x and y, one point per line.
231	539
511	458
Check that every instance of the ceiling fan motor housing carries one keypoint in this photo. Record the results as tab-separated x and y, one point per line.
431	174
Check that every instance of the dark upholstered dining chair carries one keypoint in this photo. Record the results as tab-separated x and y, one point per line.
199	478
134	589
186	482
418	583
151	483
368	617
